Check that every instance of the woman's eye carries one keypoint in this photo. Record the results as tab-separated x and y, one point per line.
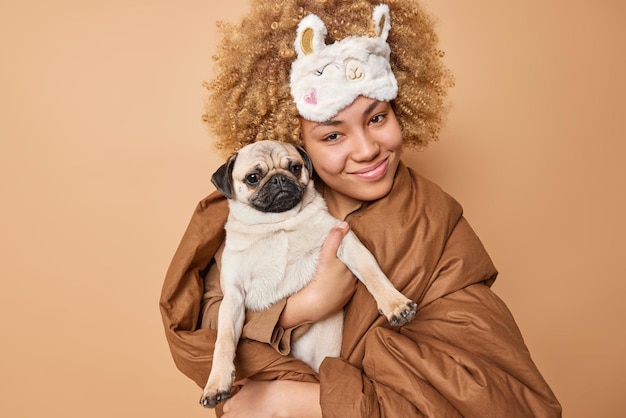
378	118
252	179
332	137
296	169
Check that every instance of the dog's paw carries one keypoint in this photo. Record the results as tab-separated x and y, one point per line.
218	386
210	400
402	314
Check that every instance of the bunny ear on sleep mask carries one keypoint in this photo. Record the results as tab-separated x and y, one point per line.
327	78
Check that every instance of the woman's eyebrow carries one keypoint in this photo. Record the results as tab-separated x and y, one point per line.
335	122
332	122
371	107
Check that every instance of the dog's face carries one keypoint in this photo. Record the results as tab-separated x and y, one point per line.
269	176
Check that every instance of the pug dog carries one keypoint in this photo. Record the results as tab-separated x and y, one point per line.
274	232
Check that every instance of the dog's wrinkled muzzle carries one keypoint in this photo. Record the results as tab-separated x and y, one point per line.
280	193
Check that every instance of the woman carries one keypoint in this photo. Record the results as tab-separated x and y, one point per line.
463	354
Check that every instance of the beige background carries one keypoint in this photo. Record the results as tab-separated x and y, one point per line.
103	158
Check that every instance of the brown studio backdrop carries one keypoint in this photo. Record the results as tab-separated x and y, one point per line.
104	157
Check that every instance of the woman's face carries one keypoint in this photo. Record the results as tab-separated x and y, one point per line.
356	153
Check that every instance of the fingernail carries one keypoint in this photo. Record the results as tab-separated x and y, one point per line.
343	225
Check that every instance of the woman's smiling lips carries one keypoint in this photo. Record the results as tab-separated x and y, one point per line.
373	172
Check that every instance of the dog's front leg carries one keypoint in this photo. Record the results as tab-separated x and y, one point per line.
229	325
397	308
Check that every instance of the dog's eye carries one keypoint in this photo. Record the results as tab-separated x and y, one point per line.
252	179
296	169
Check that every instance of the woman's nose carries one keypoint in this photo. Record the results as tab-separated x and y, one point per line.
366	148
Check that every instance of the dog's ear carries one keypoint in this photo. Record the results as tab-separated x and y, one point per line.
307	160
223	177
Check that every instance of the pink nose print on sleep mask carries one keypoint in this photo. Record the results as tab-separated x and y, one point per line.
311	97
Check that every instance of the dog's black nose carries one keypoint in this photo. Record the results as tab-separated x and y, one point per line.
279	180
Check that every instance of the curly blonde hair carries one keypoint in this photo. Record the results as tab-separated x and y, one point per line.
250	99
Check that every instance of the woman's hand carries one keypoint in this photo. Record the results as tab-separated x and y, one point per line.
277	398
330	289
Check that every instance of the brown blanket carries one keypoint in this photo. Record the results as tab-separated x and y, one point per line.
462	355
